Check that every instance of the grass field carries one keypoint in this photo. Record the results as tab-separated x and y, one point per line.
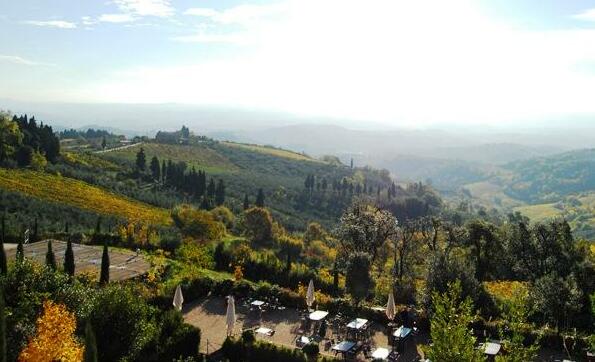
272	151
198	156
79	194
491	194
539	212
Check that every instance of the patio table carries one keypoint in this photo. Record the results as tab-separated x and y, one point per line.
318	315
265	331
380	353
402	332
357	323
491	348
343	347
257	303
304	340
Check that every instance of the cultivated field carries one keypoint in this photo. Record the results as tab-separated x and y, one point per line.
79	194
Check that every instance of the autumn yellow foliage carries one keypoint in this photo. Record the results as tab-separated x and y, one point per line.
319	297
54	339
79	194
504	290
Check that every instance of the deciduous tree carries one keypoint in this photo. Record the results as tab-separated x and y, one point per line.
358	280
54	339
258	224
449	327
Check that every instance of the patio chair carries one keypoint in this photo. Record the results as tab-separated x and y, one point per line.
393	356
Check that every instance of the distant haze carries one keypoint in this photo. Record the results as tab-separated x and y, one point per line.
426	63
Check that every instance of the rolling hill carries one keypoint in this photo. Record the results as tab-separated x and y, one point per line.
78	194
561	185
246	168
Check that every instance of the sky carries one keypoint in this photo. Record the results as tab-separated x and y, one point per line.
406	62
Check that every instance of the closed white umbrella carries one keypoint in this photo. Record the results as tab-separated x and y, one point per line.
390	307
310	294
231	315
178	298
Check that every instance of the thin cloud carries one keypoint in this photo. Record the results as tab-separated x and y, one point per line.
242	14
61	24
159	8
213	38
15	59
588	15
116	18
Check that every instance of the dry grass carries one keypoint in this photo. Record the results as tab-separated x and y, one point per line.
272	151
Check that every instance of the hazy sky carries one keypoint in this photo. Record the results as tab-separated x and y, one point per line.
394	61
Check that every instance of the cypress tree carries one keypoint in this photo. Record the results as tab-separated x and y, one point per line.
50	258
163	171
220	193
211	189
104	277
260	198
20	255
3	266
90	344
246	202
69	259
98	226
204	204
155	168
35	236
2	328
141	160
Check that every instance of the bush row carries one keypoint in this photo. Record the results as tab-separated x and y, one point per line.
236	350
269	268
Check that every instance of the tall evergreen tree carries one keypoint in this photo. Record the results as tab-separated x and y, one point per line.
69	259
90	344
66	225
103	143
220	193
141	160
202	183
204	204
3	265
163	171
35	236
98	226
246	202
20	254
211	189
155	168
104	277
260	198
2	328
50	258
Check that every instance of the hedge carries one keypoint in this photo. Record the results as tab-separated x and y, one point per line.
236	350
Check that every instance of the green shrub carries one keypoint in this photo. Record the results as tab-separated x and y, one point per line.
259	351
248	336
311	350
177	339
